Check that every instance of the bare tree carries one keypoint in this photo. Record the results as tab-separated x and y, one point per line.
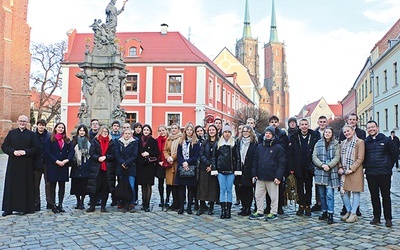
260	116
337	126
46	77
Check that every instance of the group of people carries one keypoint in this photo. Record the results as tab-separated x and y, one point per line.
202	165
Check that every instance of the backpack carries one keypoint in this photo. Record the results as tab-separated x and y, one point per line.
290	190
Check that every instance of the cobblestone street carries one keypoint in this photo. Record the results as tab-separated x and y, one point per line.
158	229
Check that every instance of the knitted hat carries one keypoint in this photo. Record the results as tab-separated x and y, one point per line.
270	129
292	119
227	128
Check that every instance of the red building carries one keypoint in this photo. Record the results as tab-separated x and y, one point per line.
169	80
14	64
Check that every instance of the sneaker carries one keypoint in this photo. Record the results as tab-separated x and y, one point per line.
271	216
316	208
256	216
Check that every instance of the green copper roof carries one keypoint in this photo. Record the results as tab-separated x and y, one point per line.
246	27
273	35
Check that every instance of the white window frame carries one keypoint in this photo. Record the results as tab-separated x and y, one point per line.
167	83
173	113
137	83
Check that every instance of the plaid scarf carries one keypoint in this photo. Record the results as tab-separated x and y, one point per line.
347	158
326	154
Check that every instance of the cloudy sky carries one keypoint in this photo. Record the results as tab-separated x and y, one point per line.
327	41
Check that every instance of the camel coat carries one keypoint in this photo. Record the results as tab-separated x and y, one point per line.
170	173
355	181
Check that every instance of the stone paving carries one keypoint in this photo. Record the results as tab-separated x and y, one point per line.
159	229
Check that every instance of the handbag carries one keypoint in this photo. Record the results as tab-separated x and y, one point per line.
123	191
166	164
151	159
187	173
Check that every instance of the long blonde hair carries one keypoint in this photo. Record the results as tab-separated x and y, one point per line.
184	136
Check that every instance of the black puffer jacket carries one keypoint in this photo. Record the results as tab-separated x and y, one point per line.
225	158
380	155
95	153
269	161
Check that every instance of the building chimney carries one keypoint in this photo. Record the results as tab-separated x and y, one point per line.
164	29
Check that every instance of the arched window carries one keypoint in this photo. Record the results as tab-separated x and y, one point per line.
132	51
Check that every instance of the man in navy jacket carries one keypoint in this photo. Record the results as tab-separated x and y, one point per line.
380	154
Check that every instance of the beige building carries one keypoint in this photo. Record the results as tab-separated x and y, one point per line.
364	95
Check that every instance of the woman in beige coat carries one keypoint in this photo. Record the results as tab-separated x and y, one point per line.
170	154
351	170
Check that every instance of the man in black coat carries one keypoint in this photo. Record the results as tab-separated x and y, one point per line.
396	142
380	155
299	162
40	166
20	145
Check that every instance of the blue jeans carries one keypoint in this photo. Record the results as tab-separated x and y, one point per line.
225	187
131	180
327	195
351	207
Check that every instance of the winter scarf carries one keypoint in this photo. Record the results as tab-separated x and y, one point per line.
126	142
244	146
82	150
60	140
104	143
161	140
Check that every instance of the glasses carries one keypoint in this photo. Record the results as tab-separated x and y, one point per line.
22	121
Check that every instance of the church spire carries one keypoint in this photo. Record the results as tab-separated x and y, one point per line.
273	35
246	27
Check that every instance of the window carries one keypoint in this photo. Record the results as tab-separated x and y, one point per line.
211	88
362	89
386	119
132	51
377	86
218	93
233	101
377	118
370	85
131	83
131	118
366	89
385	75
395	74
173	118
175	84
396	116
223	95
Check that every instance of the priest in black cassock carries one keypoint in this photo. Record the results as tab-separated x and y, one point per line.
20	144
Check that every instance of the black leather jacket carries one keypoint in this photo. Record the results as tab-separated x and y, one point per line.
225	159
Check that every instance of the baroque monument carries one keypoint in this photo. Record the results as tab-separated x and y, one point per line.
103	72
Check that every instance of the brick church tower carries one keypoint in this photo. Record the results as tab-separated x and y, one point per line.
14	63
275	92
247	48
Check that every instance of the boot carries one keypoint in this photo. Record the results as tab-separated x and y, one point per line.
201	208
352	218
323	216
223	211
300	212
90	209
189	209
55	209
60	208
307	211
81	206
330	218
228	210
161	203
78	202
242	211
211	208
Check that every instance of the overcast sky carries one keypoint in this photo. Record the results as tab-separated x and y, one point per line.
327	41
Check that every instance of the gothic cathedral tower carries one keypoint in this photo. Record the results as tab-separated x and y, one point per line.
275	92
247	48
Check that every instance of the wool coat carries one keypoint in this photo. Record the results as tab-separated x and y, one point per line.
126	155
170	173
355	181
53	153
328	178
192	161
145	170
